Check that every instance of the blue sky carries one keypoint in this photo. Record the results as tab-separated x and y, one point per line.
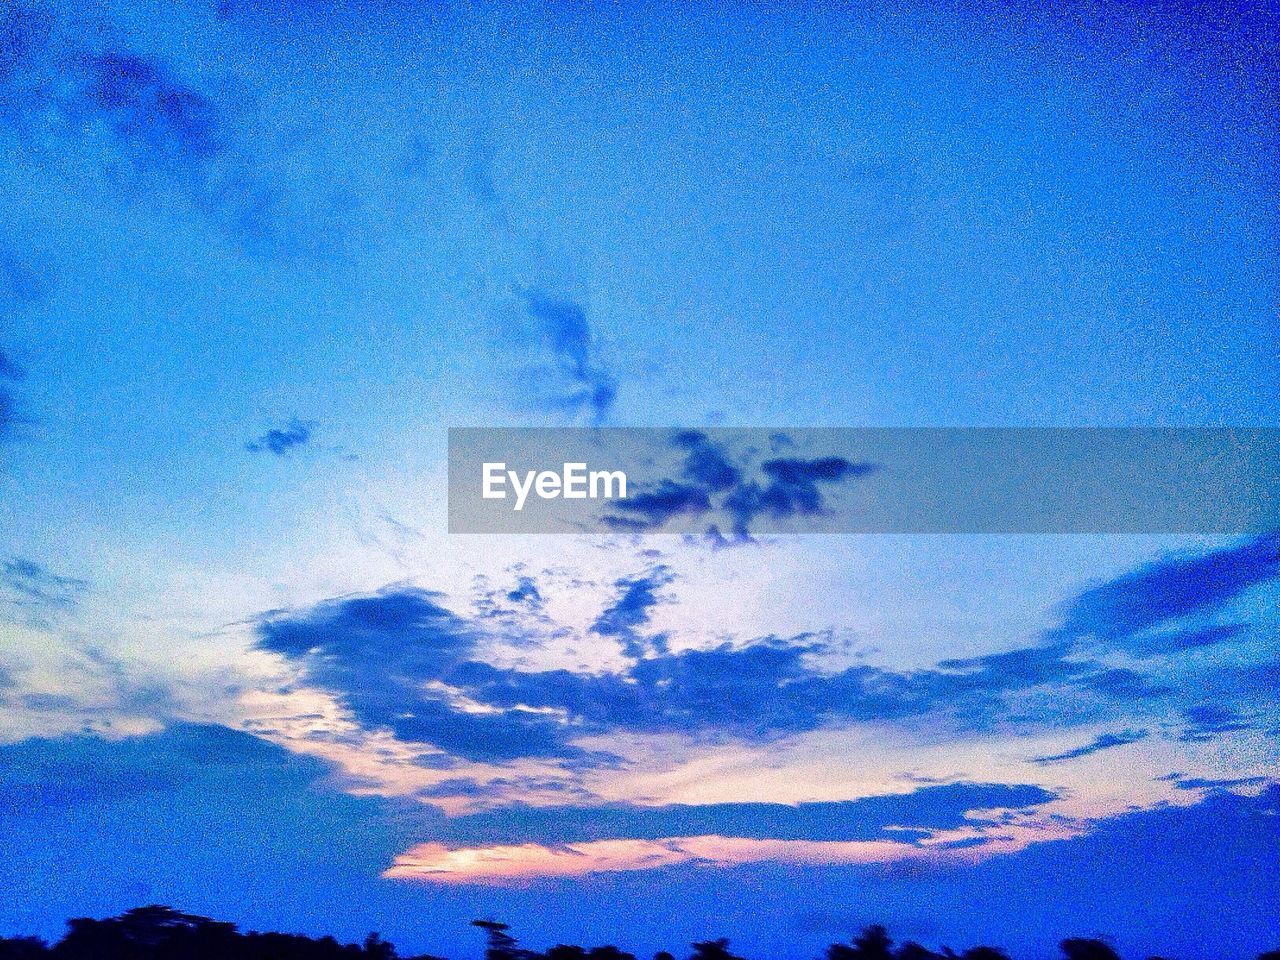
256	257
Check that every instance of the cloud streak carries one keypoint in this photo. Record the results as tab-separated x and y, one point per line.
1105	741
572	378
31	587
505	863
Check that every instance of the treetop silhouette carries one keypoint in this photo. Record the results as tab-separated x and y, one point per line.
162	933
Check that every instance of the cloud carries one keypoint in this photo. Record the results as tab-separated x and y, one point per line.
1171	588
1205	721
230	825
711	480
193	813
152	114
654	506
402	661
636	597
520	842
505	863
791	489
280	440
525	592
1103	741
20	286
399	660
568	373
33	588
1182	782
573	378
920	813
83	102
706	464
1193	638
1235	833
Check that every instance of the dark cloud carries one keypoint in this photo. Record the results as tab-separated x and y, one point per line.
525	592
401	661
1171	588
1193	638
184	813
791	490
1102	742
1182	782
72	770
382	654
654	506
34	589
711	480
706	464
1205	721
98	93
157	117
1122	684
569	374
636	597
895	816
574	378
280	440
493	791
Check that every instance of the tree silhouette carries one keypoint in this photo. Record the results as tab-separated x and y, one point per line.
23	948
914	951
161	933
609	952
713	950
1082	948
873	943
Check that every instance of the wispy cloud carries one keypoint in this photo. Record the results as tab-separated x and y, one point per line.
572	376
912	816
516	843
507	863
37	591
20	287
86	102
281	440
1103	741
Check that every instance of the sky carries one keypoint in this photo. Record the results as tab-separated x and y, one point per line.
256	257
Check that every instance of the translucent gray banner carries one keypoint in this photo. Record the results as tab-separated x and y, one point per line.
738	483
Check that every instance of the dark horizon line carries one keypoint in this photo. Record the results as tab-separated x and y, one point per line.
157	932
